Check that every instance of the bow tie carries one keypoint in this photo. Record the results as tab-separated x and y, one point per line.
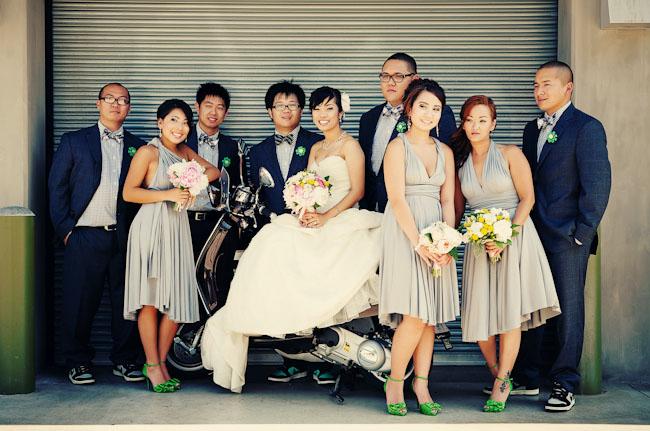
212	141
116	136
395	112
281	139
545	121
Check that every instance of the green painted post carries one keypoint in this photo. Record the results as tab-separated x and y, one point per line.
17	367
591	362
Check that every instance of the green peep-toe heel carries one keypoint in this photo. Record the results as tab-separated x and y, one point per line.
395	409
161	388
492	406
430	408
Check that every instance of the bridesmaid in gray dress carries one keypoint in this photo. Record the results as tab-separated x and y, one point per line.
517	292
419	176
159	262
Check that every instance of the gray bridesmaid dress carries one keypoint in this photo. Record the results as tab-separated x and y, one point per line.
518	290
159	257
407	286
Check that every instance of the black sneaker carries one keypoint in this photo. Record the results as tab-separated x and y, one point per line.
129	371
517	389
561	400
81	375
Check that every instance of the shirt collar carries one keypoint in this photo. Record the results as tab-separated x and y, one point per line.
557	114
200	132
102	128
293	134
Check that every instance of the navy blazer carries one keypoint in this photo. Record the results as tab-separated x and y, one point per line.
227	147
263	154
75	175
375	189
572	180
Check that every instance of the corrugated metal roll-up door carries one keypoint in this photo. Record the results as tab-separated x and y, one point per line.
162	49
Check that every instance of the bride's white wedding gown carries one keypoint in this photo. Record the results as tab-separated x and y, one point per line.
291	279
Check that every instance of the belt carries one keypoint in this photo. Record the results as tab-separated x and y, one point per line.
107	228
203	215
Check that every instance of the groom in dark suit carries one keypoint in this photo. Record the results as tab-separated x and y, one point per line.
92	219
567	153
283	154
381	124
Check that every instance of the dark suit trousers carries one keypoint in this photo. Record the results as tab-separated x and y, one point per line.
91	258
201	230
569	270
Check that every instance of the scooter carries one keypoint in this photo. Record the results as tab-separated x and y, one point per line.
359	344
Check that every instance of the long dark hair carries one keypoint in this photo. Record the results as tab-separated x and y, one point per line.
169	105
459	141
416	87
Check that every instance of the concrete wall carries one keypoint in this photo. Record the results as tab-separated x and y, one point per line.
612	76
22	122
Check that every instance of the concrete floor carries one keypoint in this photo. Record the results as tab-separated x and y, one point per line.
113	401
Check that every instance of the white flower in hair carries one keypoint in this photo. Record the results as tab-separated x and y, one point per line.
345	101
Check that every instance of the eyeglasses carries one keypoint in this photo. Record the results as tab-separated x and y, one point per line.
110	99
396	77
290	106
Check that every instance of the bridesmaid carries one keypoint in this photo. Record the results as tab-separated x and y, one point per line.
419	176
516	293
159	262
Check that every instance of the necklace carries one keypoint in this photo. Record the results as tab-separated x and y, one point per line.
327	146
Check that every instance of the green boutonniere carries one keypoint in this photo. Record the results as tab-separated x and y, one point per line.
552	137
131	151
401	127
225	162
300	151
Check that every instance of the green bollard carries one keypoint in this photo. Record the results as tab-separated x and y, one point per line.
17	337
591	362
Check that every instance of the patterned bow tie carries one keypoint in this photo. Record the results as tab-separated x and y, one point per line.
281	139
212	141
395	112
546	120
118	135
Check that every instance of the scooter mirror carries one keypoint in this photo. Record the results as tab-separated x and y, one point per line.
266	179
224	181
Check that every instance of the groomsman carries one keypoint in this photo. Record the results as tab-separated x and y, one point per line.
92	219
567	153
381	124
212	104
283	154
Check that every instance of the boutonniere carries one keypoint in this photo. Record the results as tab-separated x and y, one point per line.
131	151
401	127
552	137
301	151
225	162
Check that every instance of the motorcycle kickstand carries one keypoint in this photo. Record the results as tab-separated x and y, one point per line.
335	392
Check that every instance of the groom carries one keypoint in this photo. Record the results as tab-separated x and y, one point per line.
283	154
567	153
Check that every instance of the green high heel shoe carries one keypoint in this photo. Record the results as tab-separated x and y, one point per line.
395	409
430	408
176	383
161	388
492	406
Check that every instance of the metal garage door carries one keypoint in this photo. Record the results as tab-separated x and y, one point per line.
162	49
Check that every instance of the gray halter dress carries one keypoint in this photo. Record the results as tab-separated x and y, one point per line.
518	290
159	257
407	286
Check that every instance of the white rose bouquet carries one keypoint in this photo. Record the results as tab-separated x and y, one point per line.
440	238
489	225
306	191
187	176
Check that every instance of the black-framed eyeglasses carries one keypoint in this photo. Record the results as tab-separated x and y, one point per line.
290	106
396	77
110	99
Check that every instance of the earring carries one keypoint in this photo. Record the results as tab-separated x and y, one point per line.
341	119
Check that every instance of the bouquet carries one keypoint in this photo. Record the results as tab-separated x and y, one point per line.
485	225
187	176
306	191
440	238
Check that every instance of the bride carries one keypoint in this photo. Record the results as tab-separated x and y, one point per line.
298	274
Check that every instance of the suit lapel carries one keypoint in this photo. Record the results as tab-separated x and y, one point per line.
95	146
530	145
298	162
561	125
272	163
193	141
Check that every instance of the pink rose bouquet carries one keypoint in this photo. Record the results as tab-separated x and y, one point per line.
187	176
